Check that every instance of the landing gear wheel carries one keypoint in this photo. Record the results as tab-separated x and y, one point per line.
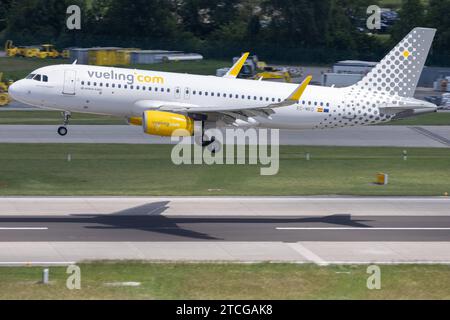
62	131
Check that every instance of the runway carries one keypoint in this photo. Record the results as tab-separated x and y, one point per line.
294	229
375	136
223	228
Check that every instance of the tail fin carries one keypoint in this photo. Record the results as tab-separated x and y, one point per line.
398	73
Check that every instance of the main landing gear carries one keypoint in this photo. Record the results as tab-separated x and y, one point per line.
212	144
62	130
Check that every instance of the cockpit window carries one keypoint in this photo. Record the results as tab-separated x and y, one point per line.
44	78
37	77
30	76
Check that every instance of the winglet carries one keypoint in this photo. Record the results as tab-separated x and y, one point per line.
236	68
296	95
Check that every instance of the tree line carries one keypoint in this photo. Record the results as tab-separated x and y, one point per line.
309	31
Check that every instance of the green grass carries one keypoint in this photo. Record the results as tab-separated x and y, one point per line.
54	117
228	281
16	68
430	119
102	169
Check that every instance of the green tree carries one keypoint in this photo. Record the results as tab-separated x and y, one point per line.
4	10
411	15
140	18
438	17
34	21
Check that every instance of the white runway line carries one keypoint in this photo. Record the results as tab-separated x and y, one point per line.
307	254
24	228
355	228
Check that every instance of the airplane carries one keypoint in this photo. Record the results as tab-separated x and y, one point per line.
162	102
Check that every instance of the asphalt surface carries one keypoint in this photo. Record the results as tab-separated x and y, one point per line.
225	219
321	230
395	136
285	229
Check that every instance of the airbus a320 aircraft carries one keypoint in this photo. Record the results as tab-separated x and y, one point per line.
162	102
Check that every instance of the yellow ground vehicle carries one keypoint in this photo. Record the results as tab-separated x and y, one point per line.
274	73
27	51
4	97
43	51
24	51
47	51
10	50
65	54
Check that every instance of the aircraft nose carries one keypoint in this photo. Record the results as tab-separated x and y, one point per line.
15	90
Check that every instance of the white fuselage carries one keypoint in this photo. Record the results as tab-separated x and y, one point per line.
129	92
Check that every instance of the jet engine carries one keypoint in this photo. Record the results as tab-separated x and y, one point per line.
163	123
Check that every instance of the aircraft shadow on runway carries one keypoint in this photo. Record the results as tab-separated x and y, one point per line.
149	217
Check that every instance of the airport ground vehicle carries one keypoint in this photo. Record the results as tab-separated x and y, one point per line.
10	50
272	73
4	96
43	51
47	51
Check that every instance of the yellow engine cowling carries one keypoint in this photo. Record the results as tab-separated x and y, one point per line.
163	123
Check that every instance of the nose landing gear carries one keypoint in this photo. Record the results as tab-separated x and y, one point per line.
62	130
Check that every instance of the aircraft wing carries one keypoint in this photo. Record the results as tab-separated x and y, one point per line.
293	98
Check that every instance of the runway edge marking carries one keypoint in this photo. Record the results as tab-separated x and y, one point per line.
307	254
